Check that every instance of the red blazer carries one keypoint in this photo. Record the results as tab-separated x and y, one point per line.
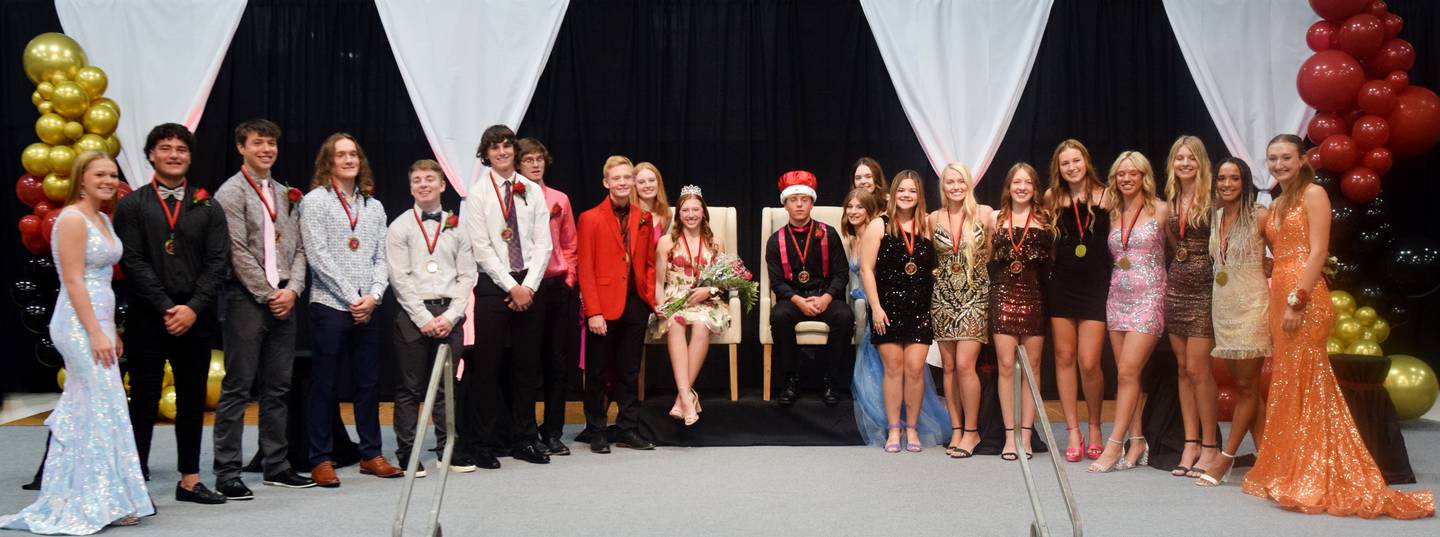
603	271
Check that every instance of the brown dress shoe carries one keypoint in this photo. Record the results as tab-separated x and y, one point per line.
324	475
379	467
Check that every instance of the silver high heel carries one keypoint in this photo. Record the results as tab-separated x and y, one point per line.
1116	466
1206	481
1144	456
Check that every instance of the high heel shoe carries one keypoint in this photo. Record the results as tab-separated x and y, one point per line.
698	408
694	402
1073	454
895	447
1181	470
1093	451
1196	471
950	448
1119	463
1144	455
913	447
1206	481
1009	455
675	410
962	453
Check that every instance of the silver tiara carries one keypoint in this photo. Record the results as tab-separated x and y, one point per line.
691	189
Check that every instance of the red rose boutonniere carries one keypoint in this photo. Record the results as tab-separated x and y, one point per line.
644	219
294	195
519	189
555	211
819	232
452	221
202	197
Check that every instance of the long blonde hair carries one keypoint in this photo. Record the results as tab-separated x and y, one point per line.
971	245
77	176
1200	200
867	202
1147	183
921	225
1059	190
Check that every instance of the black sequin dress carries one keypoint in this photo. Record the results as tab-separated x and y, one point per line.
1078	286
1017	305
905	297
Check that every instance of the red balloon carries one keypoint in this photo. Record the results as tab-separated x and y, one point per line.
1265	372
1399	79
1221	373
43	208
1415	122
29	225
47	225
1329	80
1392	23
1360	185
1377	8
1378	159
1339	153
1394	55
1313	156
1370	132
122	190
116	273
1361	35
1376	97
1338	10
30	190
1320	36
1323	125
35	244
1226	399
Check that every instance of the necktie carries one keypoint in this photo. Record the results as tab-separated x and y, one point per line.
517	258
272	271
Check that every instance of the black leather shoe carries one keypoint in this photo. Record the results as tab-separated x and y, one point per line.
234	489
531	453
487	461
790	392
598	443
289	479
199	494
553	446
633	440
830	396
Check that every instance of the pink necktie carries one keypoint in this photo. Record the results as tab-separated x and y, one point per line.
272	273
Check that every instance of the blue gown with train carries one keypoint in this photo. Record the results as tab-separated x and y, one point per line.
934	422
92	474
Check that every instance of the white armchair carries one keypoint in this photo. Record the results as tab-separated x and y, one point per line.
722	222
806	332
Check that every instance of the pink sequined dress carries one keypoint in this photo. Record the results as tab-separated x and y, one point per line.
1137	294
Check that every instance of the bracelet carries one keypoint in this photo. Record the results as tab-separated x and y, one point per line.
1298	299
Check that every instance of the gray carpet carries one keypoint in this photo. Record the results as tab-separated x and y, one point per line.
785	491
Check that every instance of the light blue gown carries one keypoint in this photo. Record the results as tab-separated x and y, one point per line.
866	388
92	474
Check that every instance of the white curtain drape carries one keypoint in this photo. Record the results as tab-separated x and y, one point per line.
161	57
469	64
1244	56
959	68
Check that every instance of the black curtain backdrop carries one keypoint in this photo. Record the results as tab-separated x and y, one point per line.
725	95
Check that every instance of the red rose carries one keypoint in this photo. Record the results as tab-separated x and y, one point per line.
555	211
294	195
201	197
519	189
453	221
367	191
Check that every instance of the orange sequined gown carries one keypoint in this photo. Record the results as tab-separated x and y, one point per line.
1313	460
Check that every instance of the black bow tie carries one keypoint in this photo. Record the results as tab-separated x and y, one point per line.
431	216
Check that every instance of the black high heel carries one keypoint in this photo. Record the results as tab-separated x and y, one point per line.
961	453
950	449
1182	471
1009	455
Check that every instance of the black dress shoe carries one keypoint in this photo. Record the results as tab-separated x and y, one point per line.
633	440
234	489
790	392
553	446
198	494
530	453
487	461
830	396
598	443
289	479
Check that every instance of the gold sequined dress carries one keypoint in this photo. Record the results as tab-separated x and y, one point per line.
961	303
1313	460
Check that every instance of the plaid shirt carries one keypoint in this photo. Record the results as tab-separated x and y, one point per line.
341	275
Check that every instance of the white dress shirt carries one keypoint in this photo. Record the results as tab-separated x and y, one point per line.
484	220
407	253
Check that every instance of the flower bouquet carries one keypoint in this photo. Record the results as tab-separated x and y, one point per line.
726	272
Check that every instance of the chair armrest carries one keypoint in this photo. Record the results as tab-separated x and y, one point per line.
765	337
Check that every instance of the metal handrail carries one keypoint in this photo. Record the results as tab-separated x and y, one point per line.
1040	527
444	367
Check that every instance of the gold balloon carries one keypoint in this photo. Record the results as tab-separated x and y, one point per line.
58	78
1368	335
169	376
106	101
212	394
45	107
112	145
46	91
90	142
1334	346
1366	315
1365	347
1343	302
217	365
56	188
36	159
74	130
1381	328
126	381
60	379
62	157
1348	330
70	100
36	99
1412	386
51	129
100	120
167	403
92	80
51	53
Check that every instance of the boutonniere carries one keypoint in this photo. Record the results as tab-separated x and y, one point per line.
294	195
452	221
644	219
555	211
202	197
819	232
519	190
